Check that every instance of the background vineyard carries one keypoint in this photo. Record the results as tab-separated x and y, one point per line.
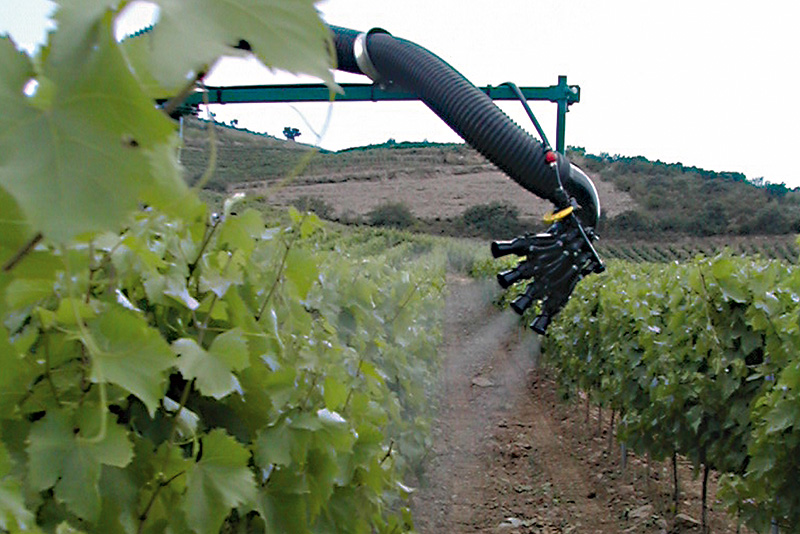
783	248
700	360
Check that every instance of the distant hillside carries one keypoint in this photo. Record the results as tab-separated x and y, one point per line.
248	157
444	184
675	199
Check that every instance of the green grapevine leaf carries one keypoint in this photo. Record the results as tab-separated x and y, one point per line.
725	272
220	271
174	285
274	446
24	292
70	310
322	472
311	223
71	463
13	511
14	229
190	36
16	70
240	231
79	25
15	378
783	415
168	191
83	163
213	369
334	393
301	270
283	511
131	355
221	480
66	528
138	52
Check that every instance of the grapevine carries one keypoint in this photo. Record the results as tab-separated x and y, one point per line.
169	369
700	359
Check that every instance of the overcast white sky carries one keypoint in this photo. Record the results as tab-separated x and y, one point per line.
710	83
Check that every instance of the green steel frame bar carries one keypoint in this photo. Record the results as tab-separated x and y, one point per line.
562	94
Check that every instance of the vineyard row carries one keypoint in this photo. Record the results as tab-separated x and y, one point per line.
700	359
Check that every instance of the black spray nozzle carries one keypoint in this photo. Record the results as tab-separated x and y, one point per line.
533	292
522	271
508	278
519	246
525	245
540	324
555	260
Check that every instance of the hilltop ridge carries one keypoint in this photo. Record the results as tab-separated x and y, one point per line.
439	182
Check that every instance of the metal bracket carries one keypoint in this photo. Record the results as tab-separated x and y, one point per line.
362	54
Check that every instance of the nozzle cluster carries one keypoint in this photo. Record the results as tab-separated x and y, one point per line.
556	260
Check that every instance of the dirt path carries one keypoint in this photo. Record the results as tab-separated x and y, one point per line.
508	457
488	472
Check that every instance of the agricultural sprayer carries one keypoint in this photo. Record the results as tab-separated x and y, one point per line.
554	260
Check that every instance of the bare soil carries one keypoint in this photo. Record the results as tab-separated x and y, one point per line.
510	457
431	192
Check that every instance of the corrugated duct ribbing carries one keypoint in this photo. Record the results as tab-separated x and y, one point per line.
464	107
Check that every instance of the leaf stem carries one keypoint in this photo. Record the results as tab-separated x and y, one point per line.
172	105
21	253
203	246
212	150
277	280
404	304
215	298
310	391
358	374
48	376
101	434
388	453
161	485
204	326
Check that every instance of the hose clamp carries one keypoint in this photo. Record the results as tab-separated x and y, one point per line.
362	56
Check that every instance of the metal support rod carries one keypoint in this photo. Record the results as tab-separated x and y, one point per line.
362	92
562	94
563	107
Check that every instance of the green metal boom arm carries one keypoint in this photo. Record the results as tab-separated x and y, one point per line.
562	94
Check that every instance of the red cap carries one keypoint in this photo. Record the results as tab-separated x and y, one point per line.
550	156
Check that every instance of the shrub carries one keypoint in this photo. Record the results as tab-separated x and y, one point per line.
394	214
711	219
768	220
494	220
630	222
316	205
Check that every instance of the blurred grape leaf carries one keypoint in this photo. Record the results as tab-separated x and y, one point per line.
131	355
65	460
13	511
220	481
81	162
213	368
189	36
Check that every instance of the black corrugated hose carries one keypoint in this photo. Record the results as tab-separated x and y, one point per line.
556	260
464	107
